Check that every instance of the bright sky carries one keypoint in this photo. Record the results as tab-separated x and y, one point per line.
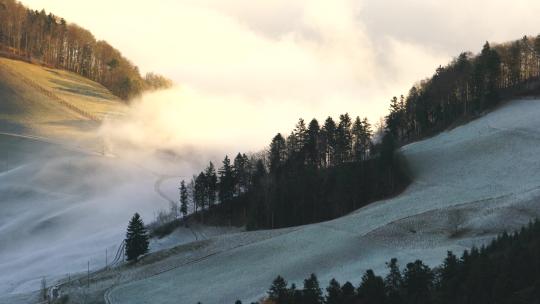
306	57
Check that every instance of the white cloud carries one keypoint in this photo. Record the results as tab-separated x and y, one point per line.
309	58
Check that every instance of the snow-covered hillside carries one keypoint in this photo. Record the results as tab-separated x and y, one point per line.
469	184
62	206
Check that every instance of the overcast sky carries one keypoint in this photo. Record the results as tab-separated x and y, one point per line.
314	58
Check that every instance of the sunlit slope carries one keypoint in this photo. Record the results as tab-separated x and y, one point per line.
47	102
469	184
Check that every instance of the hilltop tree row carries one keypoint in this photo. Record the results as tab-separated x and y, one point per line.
36	36
465	88
314	174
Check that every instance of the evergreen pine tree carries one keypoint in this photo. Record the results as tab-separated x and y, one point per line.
394	118
136	241
417	283
226	181
365	138
357	133
312	145
277	153
333	293
278	290
200	192
328	142
312	292
344	138
240	173
211	184
448	278
300	133
372	290
183	199
291	144
348	292
393	282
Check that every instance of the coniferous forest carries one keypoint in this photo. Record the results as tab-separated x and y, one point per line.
46	39
319	172
505	271
466	87
316	173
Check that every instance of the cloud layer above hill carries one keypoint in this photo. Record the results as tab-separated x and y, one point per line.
309	58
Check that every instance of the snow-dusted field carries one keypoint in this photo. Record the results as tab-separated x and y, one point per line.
62	207
469	184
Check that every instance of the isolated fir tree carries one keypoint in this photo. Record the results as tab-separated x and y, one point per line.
183	198
136	238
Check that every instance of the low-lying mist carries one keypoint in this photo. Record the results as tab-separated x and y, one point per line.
198	126
65	207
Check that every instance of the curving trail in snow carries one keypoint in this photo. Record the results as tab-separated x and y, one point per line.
470	184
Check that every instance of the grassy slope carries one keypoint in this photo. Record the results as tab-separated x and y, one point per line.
29	102
42	132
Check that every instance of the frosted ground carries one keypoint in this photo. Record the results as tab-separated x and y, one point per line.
470	184
62	207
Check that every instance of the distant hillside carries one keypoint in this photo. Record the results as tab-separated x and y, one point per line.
465	88
53	103
38	37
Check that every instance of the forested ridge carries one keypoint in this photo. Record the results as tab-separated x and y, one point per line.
469	85
316	173
319	172
43	38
